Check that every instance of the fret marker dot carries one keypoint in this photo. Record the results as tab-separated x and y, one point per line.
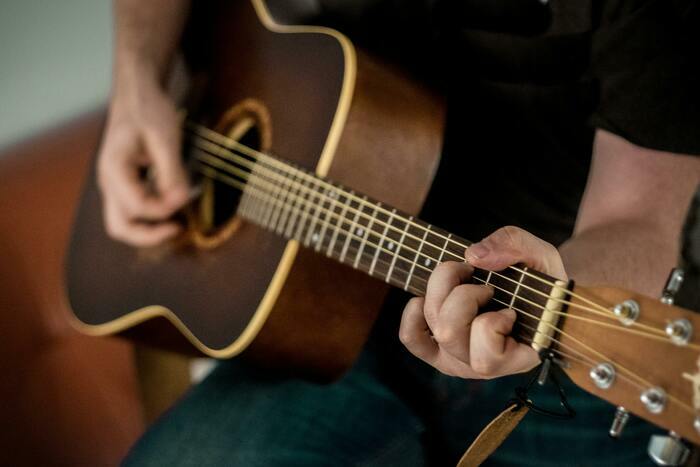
360	232
427	262
390	246
314	238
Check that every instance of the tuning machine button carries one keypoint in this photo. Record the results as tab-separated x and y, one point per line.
680	331
627	312
668	450
603	375
654	399
619	421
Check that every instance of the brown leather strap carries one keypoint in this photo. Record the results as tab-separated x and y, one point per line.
492	436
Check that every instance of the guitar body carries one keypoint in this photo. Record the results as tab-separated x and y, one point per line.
313	100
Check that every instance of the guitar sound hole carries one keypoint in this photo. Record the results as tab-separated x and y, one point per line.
213	218
226	198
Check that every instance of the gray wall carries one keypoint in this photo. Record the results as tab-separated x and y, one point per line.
55	62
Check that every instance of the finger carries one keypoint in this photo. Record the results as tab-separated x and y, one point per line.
456	315
163	142
414	332
444	278
415	335
119	179
134	233
511	245
493	352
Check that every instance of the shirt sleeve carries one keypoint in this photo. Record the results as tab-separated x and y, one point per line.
645	57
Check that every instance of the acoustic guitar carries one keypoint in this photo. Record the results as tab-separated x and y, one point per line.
281	261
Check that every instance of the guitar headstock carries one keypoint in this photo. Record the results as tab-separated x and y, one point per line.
643	355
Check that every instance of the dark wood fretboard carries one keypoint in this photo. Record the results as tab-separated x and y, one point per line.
374	238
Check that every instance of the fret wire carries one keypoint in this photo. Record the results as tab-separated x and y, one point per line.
286	208
310	231
244	206
444	248
256	209
415	259
332	205
288	230
397	251
267	216
353	225
363	242
286	212
259	209
280	184
382	240
303	214
517	287
324	215
338	226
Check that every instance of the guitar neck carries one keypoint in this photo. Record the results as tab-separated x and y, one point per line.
368	235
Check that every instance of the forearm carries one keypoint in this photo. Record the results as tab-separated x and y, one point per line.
146	38
632	254
629	223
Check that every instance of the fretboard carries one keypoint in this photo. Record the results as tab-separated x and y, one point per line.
379	240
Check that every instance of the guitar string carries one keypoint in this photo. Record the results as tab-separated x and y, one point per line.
360	200
230	144
237	171
379	247
362	238
605	313
645	383
661	333
580	357
600	323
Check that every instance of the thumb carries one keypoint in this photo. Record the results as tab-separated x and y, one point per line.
512	245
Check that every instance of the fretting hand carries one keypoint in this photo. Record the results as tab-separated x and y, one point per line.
444	330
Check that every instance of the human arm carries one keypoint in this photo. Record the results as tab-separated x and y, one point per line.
143	127
626	234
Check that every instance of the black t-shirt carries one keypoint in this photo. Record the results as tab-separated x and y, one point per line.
528	81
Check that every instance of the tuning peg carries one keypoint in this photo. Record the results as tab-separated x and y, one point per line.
668	450
619	422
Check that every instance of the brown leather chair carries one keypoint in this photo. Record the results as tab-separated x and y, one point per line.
65	399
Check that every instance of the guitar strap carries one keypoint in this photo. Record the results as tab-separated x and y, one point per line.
493	435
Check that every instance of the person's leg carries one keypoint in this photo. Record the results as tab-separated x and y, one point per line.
538	441
238	416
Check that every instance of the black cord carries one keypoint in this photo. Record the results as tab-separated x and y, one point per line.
522	397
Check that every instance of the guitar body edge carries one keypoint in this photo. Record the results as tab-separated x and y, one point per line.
315	315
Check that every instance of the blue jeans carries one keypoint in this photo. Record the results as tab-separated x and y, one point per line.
389	409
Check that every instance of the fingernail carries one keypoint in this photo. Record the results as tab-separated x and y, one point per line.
477	251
